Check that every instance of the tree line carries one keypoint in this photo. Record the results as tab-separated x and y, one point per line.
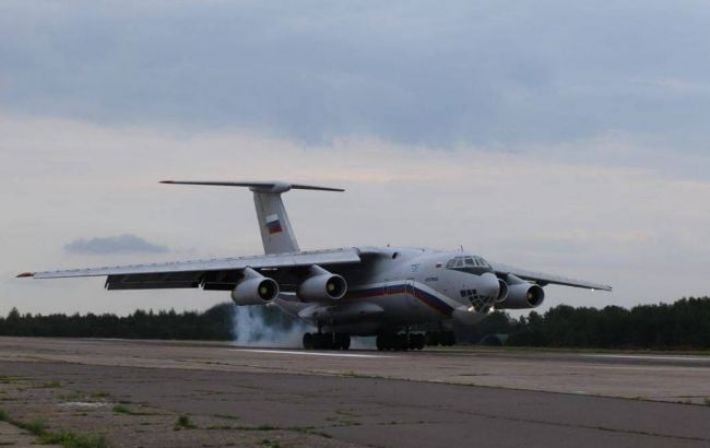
679	325
213	324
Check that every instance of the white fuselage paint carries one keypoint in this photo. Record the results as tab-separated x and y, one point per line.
398	288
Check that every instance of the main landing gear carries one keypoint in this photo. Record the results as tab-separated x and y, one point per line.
385	341
326	341
400	341
414	341
444	338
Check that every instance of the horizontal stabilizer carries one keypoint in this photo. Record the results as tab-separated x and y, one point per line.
271	187
277	234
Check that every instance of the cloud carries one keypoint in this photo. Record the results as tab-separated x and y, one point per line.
484	73
121	244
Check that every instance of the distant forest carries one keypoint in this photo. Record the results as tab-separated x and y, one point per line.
684	324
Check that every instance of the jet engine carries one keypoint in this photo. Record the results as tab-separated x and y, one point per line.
322	285
503	291
254	289
521	294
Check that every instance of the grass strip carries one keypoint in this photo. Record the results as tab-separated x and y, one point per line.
66	439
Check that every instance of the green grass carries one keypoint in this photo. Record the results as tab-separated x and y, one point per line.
100	394
222	427
125	410
9	379
269	444
122	409
50	385
707	402
184	422
66	439
226	416
78	395
36	426
72	396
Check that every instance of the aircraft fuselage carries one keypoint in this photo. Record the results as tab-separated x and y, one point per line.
396	288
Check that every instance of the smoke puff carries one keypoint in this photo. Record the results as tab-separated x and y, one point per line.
252	329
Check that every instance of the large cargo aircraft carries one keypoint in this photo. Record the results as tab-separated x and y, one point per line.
391	293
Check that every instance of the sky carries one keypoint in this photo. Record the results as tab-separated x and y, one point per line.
565	137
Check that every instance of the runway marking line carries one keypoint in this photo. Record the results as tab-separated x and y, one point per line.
304	353
699	359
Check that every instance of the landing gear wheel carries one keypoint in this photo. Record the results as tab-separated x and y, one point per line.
445	338
308	341
380	342
416	341
323	341
433	338
392	341
384	341
342	341
401	342
449	338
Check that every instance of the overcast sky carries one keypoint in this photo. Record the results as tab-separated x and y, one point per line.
558	136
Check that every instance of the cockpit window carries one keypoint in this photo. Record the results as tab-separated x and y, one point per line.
467	261
481	262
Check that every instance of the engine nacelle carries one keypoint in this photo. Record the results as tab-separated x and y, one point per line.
503	291
522	295
255	289
322	285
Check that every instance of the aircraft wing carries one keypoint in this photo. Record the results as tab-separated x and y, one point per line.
215	274
545	279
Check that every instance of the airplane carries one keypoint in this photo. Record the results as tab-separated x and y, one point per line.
387	292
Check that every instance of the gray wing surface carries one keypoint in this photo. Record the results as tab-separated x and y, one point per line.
545	279
216	274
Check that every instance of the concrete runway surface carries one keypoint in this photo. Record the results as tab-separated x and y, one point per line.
238	396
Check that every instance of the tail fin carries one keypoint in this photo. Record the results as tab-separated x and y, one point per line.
276	232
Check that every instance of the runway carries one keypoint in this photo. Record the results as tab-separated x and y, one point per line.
290	398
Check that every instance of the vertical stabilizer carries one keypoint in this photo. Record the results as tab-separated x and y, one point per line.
277	235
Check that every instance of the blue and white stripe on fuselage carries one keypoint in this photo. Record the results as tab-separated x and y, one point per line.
403	297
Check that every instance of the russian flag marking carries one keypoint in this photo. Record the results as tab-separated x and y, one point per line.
273	224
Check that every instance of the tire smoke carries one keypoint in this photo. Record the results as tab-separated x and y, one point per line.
264	326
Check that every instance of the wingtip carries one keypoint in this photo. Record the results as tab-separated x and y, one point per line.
166	181
25	275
